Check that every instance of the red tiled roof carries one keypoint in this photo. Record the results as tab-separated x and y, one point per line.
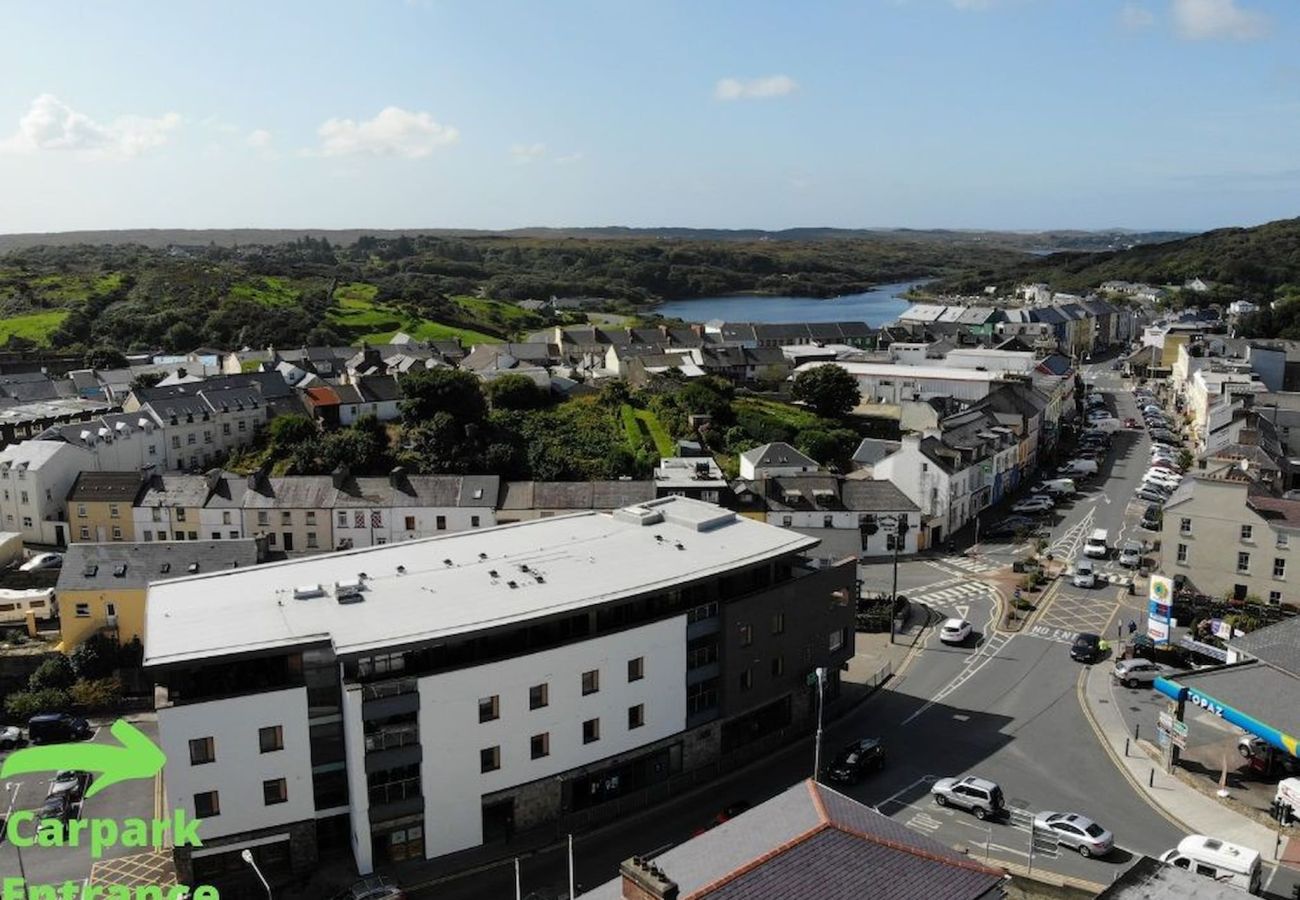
323	396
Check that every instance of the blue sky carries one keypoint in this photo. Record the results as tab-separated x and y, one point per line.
492	114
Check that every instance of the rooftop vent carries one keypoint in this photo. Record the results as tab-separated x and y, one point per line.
492	573
349	598
659	538
164	568
679	545
192	568
539	578
447	562
523	567
119	570
90	571
482	556
348	587
307	591
512	584
401	570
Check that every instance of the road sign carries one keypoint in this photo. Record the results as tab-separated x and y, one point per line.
1179	729
1165	721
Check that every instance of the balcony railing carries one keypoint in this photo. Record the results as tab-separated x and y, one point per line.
394	688
398	736
394	791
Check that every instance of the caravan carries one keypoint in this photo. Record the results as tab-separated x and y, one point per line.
1224	862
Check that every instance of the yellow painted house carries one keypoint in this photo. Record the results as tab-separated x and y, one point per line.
101	506
102	586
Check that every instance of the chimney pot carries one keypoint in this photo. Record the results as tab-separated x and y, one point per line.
642	880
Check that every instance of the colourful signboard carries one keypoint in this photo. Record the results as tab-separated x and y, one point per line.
1160	599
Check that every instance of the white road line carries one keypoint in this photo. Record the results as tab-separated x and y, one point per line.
976	661
924	779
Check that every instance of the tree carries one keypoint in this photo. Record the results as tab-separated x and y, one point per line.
100	693
515	392
456	392
22	705
614	392
287	432
95	657
830	390
146	380
106	358
182	336
55	673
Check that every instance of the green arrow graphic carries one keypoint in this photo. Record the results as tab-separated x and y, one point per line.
138	757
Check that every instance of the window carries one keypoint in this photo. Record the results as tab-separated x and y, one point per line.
635	716
85	533
225	429
270	539
489	708
270	738
311	516
82	611
180	514
343	520
193	535
1281	541
275	791
311	540
410	523
191	439
489	759
1247	531
27	521
216	535
1182	553
746	635
243	426
828	521
263	517
787	521
778	623
636	669
540	745
591	731
162	535
440	523
202	751
207	805
117	532
156	514
148	535
1274	598
225	517
746	679
1184	526
176	442
590	682
81	510
538	696
24	497
153	449
778	666
235	534
1279	568
1243	562
838	640
473	521
286	517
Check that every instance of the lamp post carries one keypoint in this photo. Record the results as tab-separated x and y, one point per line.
817	743
247	856
13	787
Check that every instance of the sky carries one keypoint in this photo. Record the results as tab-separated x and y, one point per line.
1009	114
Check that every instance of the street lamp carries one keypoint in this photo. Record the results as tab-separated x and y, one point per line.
817	744
13	787
247	856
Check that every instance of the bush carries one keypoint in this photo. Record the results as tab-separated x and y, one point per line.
829	390
102	693
515	392
96	657
25	704
55	673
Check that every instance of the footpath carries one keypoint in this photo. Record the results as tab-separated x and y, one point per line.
1178	801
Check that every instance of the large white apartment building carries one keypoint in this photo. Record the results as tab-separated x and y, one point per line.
422	698
34	480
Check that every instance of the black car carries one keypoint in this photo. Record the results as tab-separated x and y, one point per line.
1151	517
57	807
856	760
57	728
1009	526
1086	647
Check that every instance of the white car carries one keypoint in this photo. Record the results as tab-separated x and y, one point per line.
1163	476
1085	575
954	631
10	736
1133	672
1130	555
42	561
1033	505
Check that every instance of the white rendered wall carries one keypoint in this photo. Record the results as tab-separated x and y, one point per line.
240	766
451	735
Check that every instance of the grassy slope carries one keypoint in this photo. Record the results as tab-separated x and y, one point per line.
359	316
34	327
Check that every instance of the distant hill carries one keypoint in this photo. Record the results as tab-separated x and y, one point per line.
1254	261
1028	241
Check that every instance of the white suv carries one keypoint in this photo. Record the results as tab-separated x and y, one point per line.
980	796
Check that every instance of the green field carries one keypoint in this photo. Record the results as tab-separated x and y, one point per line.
36	327
357	315
787	414
267	291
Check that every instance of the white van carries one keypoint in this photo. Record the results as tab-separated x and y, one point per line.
1058	487
1079	467
1110	426
1097	544
1225	863
1288	792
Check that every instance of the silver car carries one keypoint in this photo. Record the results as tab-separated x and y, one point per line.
981	796
1076	832
1132	672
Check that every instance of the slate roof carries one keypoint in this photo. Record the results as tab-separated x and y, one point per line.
175	491
108	487
873	450
1055	364
778	453
1276	645
811	841
90	566
874	496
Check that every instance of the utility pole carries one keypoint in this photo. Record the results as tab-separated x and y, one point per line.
899	525
817	743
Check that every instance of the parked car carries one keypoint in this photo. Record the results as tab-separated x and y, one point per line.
1131	422
1076	832
954	631
1151	517
978	795
1076	467
1168	465
856	760
42	561
57	728
72	782
1057	487
1085	574
376	887
1130	554
1150	495
57	807
10	736
1009	526
1086	647
1132	672
1033	505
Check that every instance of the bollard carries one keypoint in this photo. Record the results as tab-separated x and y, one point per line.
1137	730
1125	748
1151	782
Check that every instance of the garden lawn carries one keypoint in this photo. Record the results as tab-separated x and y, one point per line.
663	443
36	327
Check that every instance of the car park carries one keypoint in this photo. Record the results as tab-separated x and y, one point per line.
1085	574
1033	505
977	795
1130	554
954	631
1133	672
1076	832
856	760
1164	491
42	561
1086	647
1163	477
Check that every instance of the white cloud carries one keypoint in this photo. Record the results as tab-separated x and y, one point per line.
394	132
523	154
50	124
754	88
568	159
1199	20
1136	18
258	139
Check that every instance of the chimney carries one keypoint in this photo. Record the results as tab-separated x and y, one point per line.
397	477
643	880
339	475
213	478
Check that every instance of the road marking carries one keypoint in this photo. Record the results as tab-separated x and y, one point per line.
963	609
924	779
973	663
924	823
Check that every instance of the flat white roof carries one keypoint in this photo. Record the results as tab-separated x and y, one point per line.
583	559
895	370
